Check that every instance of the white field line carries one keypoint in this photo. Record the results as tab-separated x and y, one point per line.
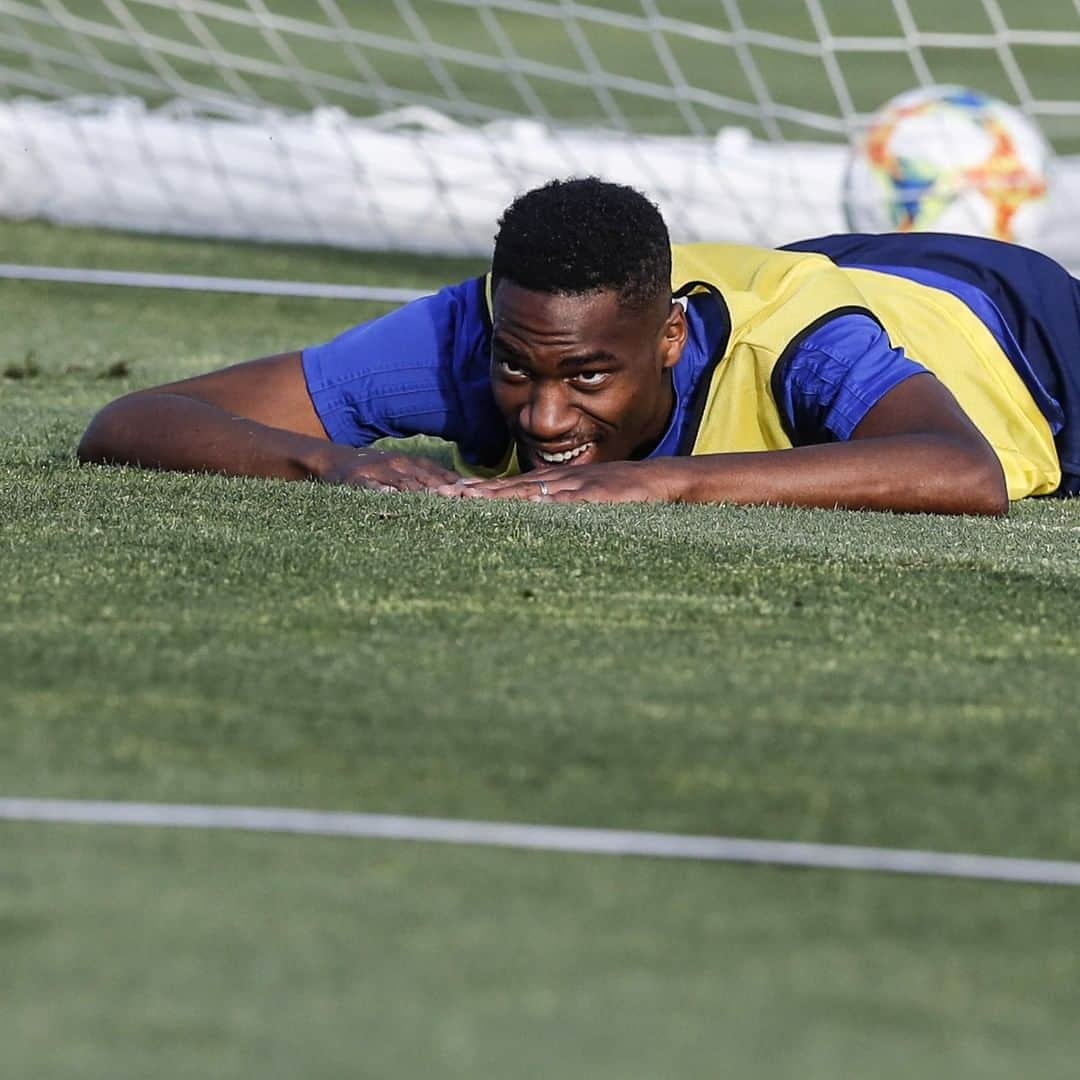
542	838
200	283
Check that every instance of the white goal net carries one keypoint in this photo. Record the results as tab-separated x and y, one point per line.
409	124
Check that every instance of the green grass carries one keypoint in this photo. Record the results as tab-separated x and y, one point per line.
786	674
187	954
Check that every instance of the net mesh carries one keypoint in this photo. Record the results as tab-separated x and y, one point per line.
408	125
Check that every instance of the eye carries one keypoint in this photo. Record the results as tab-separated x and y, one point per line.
510	369
591	379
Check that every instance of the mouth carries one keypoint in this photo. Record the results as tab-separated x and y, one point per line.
579	453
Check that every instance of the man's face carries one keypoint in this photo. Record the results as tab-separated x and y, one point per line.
579	379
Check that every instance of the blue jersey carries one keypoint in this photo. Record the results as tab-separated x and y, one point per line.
420	370
424	369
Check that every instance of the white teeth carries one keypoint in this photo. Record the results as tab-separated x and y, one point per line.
563	456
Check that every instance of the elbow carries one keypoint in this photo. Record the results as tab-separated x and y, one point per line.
998	505
971	477
991	503
963	479
91	449
103	441
986	492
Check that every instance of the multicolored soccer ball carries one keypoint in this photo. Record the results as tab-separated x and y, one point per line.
946	159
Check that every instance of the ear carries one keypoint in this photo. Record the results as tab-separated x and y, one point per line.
673	335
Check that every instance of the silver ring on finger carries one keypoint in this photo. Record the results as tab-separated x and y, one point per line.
544	488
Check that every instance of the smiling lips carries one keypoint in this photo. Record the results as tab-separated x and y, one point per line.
561	457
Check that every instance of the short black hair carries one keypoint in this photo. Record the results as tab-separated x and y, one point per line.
582	235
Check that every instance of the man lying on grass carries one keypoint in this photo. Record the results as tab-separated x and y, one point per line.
902	372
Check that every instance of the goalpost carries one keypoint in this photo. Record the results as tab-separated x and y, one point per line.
409	124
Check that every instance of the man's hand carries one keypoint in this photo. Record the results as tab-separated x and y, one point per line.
613	481
378	471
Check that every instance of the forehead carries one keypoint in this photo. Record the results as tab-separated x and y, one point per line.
595	320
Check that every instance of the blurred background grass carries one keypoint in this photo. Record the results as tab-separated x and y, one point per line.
296	70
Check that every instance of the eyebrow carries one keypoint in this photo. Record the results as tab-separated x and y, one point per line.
597	356
501	346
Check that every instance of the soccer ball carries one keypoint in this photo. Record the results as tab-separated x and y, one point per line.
949	160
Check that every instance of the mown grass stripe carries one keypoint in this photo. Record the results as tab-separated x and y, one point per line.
544	838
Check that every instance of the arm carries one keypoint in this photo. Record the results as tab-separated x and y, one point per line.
914	451
254	419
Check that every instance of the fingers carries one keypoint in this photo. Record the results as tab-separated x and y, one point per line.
397	472
561	489
537	482
367	483
598	483
431	473
417	474
532	486
460	490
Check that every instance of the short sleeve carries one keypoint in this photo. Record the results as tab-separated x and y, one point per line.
419	370
836	375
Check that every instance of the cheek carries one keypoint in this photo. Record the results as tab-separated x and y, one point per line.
633	412
632	401
618	411
508	398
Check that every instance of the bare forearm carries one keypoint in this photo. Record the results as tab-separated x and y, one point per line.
173	431
914	473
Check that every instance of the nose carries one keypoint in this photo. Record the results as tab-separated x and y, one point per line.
547	415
